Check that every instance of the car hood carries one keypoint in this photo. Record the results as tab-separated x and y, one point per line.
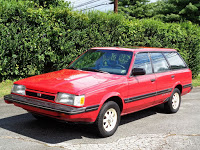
66	80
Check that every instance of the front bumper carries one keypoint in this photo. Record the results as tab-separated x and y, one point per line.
68	110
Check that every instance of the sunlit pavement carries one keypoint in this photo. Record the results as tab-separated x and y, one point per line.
147	129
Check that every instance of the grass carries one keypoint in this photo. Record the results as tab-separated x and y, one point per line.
196	82
5	86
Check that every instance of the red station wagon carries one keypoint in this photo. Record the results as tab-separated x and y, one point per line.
105	83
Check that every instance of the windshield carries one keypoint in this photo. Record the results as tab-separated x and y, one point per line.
107	61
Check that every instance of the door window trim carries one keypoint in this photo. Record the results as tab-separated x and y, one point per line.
134	63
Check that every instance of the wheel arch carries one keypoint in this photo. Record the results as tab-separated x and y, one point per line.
180	87
116	99
113	97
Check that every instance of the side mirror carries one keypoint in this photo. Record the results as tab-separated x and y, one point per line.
138	71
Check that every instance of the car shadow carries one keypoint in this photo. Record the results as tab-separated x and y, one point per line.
142	114
53	132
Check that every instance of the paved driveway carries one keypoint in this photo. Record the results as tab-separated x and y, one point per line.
147	129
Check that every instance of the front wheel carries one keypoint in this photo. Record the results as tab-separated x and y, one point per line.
172	106
108	119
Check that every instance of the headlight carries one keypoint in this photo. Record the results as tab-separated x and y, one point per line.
70	99
18	89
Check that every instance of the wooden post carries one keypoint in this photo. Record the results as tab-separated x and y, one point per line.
116	6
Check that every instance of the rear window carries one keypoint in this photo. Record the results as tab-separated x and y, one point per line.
174	60
159	62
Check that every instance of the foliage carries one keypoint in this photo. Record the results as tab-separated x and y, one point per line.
128	3
49	3
196	82
176	10
5	87
166	10
135	8
36	40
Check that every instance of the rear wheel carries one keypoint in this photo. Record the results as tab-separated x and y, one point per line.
172	106
108	119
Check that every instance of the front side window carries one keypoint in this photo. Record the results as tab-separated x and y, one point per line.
159	62
174	60
142	61
110	61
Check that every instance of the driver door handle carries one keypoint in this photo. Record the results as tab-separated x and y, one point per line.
153	80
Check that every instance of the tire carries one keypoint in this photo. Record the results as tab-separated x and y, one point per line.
173	105
108	119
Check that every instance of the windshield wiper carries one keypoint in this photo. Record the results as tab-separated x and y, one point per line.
73	68
95	70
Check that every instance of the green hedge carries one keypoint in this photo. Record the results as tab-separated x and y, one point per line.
36	40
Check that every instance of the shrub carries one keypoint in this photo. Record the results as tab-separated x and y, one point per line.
36	39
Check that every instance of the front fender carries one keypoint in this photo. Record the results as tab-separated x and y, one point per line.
109	95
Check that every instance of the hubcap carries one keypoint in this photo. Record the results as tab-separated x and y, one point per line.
175	101
110	119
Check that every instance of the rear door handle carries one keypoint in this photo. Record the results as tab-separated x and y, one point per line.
153	80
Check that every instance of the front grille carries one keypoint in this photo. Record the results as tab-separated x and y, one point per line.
43	96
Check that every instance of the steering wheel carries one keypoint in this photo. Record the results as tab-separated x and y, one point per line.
118	65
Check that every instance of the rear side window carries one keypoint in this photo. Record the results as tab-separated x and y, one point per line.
159	62
174	60
142	60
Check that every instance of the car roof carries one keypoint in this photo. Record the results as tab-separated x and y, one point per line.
134	49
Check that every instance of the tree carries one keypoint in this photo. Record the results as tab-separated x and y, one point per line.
166	10
48	3
131	2
176	10
134	8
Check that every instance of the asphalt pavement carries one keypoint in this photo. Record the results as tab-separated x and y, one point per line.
147	129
